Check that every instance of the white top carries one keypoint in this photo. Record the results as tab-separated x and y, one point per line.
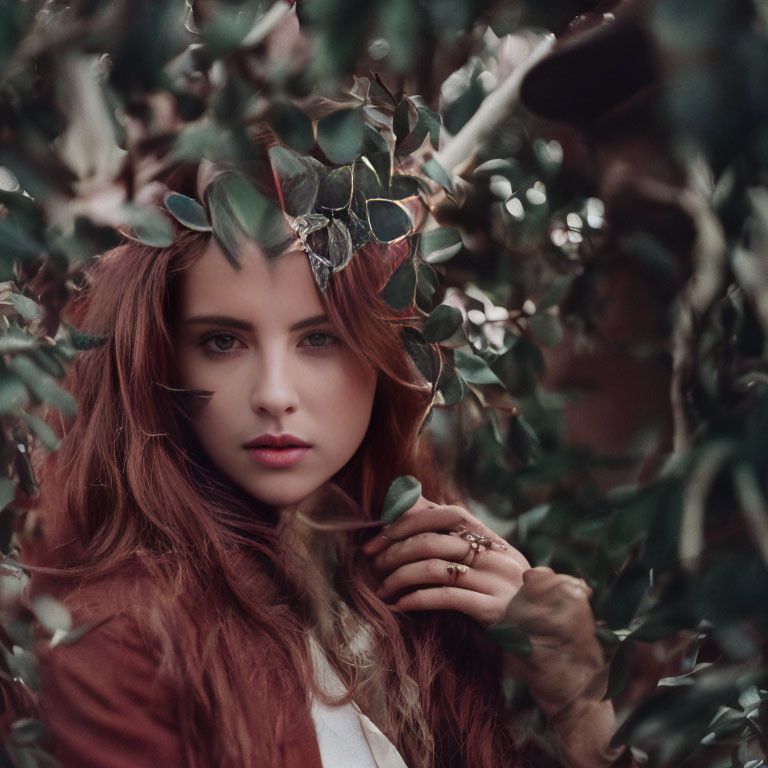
346	737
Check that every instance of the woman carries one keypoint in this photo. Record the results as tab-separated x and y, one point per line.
232	417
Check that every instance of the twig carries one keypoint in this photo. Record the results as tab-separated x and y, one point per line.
494	110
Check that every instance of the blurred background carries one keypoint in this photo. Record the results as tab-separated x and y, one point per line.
595	174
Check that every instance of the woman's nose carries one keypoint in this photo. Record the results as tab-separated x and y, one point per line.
275	390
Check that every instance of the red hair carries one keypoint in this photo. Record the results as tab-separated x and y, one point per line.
136	492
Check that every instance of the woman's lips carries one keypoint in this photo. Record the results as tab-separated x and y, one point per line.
272	456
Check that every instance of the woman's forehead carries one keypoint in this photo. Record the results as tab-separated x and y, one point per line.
260	286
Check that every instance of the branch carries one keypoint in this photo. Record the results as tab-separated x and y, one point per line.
492	113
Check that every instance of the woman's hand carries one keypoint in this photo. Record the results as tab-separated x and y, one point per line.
440	557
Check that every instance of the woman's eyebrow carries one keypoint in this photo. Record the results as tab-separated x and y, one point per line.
244	325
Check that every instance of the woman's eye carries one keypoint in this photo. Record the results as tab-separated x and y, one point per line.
320	339
219	343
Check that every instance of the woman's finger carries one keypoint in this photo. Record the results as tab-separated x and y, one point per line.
483	608
422	546
439	572
431	517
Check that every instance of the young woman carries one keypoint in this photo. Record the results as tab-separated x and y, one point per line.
231	418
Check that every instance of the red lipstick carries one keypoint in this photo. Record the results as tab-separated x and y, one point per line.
277	450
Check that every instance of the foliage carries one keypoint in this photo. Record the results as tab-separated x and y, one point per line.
633	249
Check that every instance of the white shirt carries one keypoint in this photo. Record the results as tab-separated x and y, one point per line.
346	737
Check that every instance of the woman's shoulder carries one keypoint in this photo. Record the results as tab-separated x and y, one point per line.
102	696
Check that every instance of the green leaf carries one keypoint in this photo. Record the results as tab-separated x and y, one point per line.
523	440
402	494
52	613
403	185
474	369
13	393
23	664
43	386
41	431
150	227
438	239
555	293
13	340
297	179
28	733
389	220
426	284
27	308
452	386
292	126
413	140
335	193
621	668
421	353
340	135
510	638
546	329
47	359
433	123
7	492
401	119
436	172
400	289
444	321
187	212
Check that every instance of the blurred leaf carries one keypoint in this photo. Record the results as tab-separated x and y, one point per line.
13	393
621	669
523	440
436	172
41	431
555	293
292	126
473	368
400	22
13	340
510	638
546	329
51	613
150	227
340	135
42	385
27	732
402	494
7	492
23	664
26	307
625	596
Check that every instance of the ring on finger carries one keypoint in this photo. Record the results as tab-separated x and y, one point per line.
477	541
470	556
456	569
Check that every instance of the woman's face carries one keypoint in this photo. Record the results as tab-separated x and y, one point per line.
291	403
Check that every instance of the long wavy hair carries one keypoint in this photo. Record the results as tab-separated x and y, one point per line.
130	491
